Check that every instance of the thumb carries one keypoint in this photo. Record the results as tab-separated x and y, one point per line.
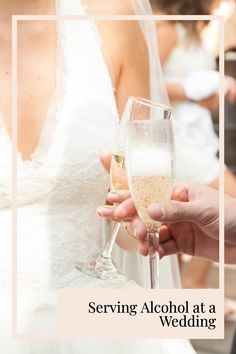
173	211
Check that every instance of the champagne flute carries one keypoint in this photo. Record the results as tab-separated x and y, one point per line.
103	266
149	160
135	109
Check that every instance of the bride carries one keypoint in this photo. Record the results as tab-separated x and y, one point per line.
74	79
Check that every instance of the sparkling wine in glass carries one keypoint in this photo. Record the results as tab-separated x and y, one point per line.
136	109
118	173
103	267
149	160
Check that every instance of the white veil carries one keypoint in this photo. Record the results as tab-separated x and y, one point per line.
158	92
157	83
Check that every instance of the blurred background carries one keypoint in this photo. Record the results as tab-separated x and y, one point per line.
228	9
190	60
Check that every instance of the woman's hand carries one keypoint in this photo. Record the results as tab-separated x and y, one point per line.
129	244
116	197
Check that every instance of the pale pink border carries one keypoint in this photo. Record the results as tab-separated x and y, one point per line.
15	20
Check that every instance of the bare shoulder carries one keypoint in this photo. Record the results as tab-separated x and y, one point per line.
118	32
122	40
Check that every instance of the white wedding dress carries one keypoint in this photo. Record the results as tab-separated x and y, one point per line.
196	142
59	190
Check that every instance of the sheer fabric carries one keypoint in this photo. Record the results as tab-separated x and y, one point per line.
157	83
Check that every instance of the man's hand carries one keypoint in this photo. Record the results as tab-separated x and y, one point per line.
190	222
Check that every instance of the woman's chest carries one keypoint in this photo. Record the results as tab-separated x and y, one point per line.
81	122
66	167
36	68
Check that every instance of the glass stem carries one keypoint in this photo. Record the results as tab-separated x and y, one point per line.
154	259
112	234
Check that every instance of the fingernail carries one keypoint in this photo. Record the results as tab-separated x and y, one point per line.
156	211
112	197
138	232
107	212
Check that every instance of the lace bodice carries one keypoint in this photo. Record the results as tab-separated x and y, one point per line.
61	187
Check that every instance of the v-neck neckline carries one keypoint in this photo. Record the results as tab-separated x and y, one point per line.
42	148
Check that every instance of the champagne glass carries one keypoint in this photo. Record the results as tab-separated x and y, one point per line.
103	266
149	160
135	109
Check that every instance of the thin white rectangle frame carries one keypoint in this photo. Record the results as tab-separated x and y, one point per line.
15	20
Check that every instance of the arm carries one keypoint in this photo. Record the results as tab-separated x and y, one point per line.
126	49
166	30
177	94
176	91
134	74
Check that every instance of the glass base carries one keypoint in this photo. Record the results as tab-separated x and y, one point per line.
102	268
